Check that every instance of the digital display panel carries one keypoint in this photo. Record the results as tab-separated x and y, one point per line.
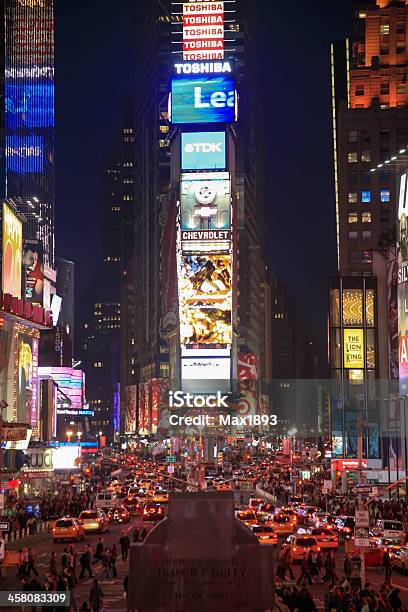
205	289
12	253
402	280
30	104
203	99
25	154
204	374
33	260
205	201
69	381
203	151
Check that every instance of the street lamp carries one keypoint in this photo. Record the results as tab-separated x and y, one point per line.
69	435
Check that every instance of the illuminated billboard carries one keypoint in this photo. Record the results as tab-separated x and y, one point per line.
12	253
203	30
30	103
203	99
71	383
205	201
130	409
203	151
25	154
205	297
353	349
204	374
402	279
33	260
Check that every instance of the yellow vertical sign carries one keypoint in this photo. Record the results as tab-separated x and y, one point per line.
354	348
12	253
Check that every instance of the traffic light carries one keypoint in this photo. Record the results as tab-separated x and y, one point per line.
87	471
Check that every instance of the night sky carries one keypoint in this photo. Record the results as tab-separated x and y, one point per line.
94	68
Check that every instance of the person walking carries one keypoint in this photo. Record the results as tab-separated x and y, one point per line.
112	560
387	567
304	569
72	583
53	564
96	596
99	550
287	562
106	563
85	562
347	567
31	560
135	535
124	544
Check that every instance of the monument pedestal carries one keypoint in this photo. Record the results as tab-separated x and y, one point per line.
201	559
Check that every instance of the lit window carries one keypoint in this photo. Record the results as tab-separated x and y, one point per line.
366	156
385	195
366	197
401	89
366	217
353	236
352	197
352	136
384	29
353	217
352	157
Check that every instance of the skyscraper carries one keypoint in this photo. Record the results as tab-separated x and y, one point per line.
27	172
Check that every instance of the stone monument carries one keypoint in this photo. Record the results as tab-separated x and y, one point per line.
201	559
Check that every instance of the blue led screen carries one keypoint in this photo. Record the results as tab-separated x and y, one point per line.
202	99
203	151
30	104
25	154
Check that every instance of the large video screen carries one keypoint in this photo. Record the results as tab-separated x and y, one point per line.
203	151
402	242
12	253
205	200
205	287
203	99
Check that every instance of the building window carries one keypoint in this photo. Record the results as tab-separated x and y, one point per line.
353	217
384	29
366	197
385	134
385	176
366	217
401	89
352	197
400	27
352	157
366	235
352	136
366	176
360	90
365	137
385	89
385	195
401	136
366	156
400	47
352	177
353	236
385	216
384	50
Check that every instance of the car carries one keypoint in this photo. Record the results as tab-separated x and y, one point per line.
94	520
344	525
119	515
305	513
399	558
326	538
105	499
301	546
390	529
282	524
223	486
255	502
153	512
265	534
67	528
248	517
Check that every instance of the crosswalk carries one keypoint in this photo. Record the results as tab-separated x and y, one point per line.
112	589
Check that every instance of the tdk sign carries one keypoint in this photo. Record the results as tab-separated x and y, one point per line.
203	151
203	99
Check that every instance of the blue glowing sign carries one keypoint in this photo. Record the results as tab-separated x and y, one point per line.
25	154
30	104
202	99
203	151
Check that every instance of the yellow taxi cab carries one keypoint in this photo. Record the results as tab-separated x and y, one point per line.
399	558
301	546
94	520
265	534
326	538
223	486
67	528
153	512
282	524
248	517
160	498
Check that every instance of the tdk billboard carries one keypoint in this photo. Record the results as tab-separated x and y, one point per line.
203	151
202	99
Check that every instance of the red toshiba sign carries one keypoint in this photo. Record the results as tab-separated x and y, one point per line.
203	30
